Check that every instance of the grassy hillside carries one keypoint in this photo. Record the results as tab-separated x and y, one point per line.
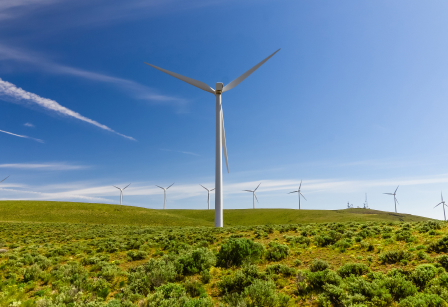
71	212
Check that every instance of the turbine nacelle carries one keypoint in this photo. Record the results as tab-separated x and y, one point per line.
219	88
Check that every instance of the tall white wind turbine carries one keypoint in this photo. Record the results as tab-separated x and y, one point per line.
121	192
443	205
395	197
253	195
208	195
164	194
299	193
220	132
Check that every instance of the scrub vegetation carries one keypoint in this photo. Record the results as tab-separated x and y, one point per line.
375	263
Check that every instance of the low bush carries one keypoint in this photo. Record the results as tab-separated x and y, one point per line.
423	273
238	251
441	246
196	261
355	269
318	265
276	251
394	256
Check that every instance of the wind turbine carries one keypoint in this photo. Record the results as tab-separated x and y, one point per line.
395	198
299	193
220	132
208	195
443	205
164	193
121	192
253	194
366	204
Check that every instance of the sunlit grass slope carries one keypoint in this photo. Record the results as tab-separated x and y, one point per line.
71	212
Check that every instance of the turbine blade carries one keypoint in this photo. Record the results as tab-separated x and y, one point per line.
246	74
248	191
388	193
437	205
303	196
257	187
441	195
117	187
170	186
160	187
293	192
203	187
5	178
191	81
212	189
224	147
126	186
397	201
300	184
396	189
256	197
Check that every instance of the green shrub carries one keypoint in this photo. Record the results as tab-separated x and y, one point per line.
31	273
197	261
356	269
137	255
262	293
399	286
277	252
280	269
394	256
441	246
173	295
423	273
443	260
316	280
318	265
237	251
423	300
206	276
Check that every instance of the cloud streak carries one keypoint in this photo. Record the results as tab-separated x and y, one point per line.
18	95
22	136
138	90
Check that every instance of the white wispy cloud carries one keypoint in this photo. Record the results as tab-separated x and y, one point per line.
137	90
28	125
12	8
44	166
22	136
18	95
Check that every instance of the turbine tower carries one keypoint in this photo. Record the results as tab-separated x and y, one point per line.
395	198
164	194
299	193
366	204
253	195
121	192
208	195
220	132
443	205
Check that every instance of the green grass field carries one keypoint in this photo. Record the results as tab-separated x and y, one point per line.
90	213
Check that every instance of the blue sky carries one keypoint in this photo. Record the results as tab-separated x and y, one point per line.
355	102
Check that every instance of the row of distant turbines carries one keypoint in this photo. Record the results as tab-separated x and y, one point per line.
254	196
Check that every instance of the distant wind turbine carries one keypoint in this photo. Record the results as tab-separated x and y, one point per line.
164	194
395	197
253	195
121	192
220	133
299	193
208	195
443	205
366	204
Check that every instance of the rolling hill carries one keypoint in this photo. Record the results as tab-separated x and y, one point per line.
91	213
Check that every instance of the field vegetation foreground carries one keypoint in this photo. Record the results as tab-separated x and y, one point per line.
324	264
71	212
